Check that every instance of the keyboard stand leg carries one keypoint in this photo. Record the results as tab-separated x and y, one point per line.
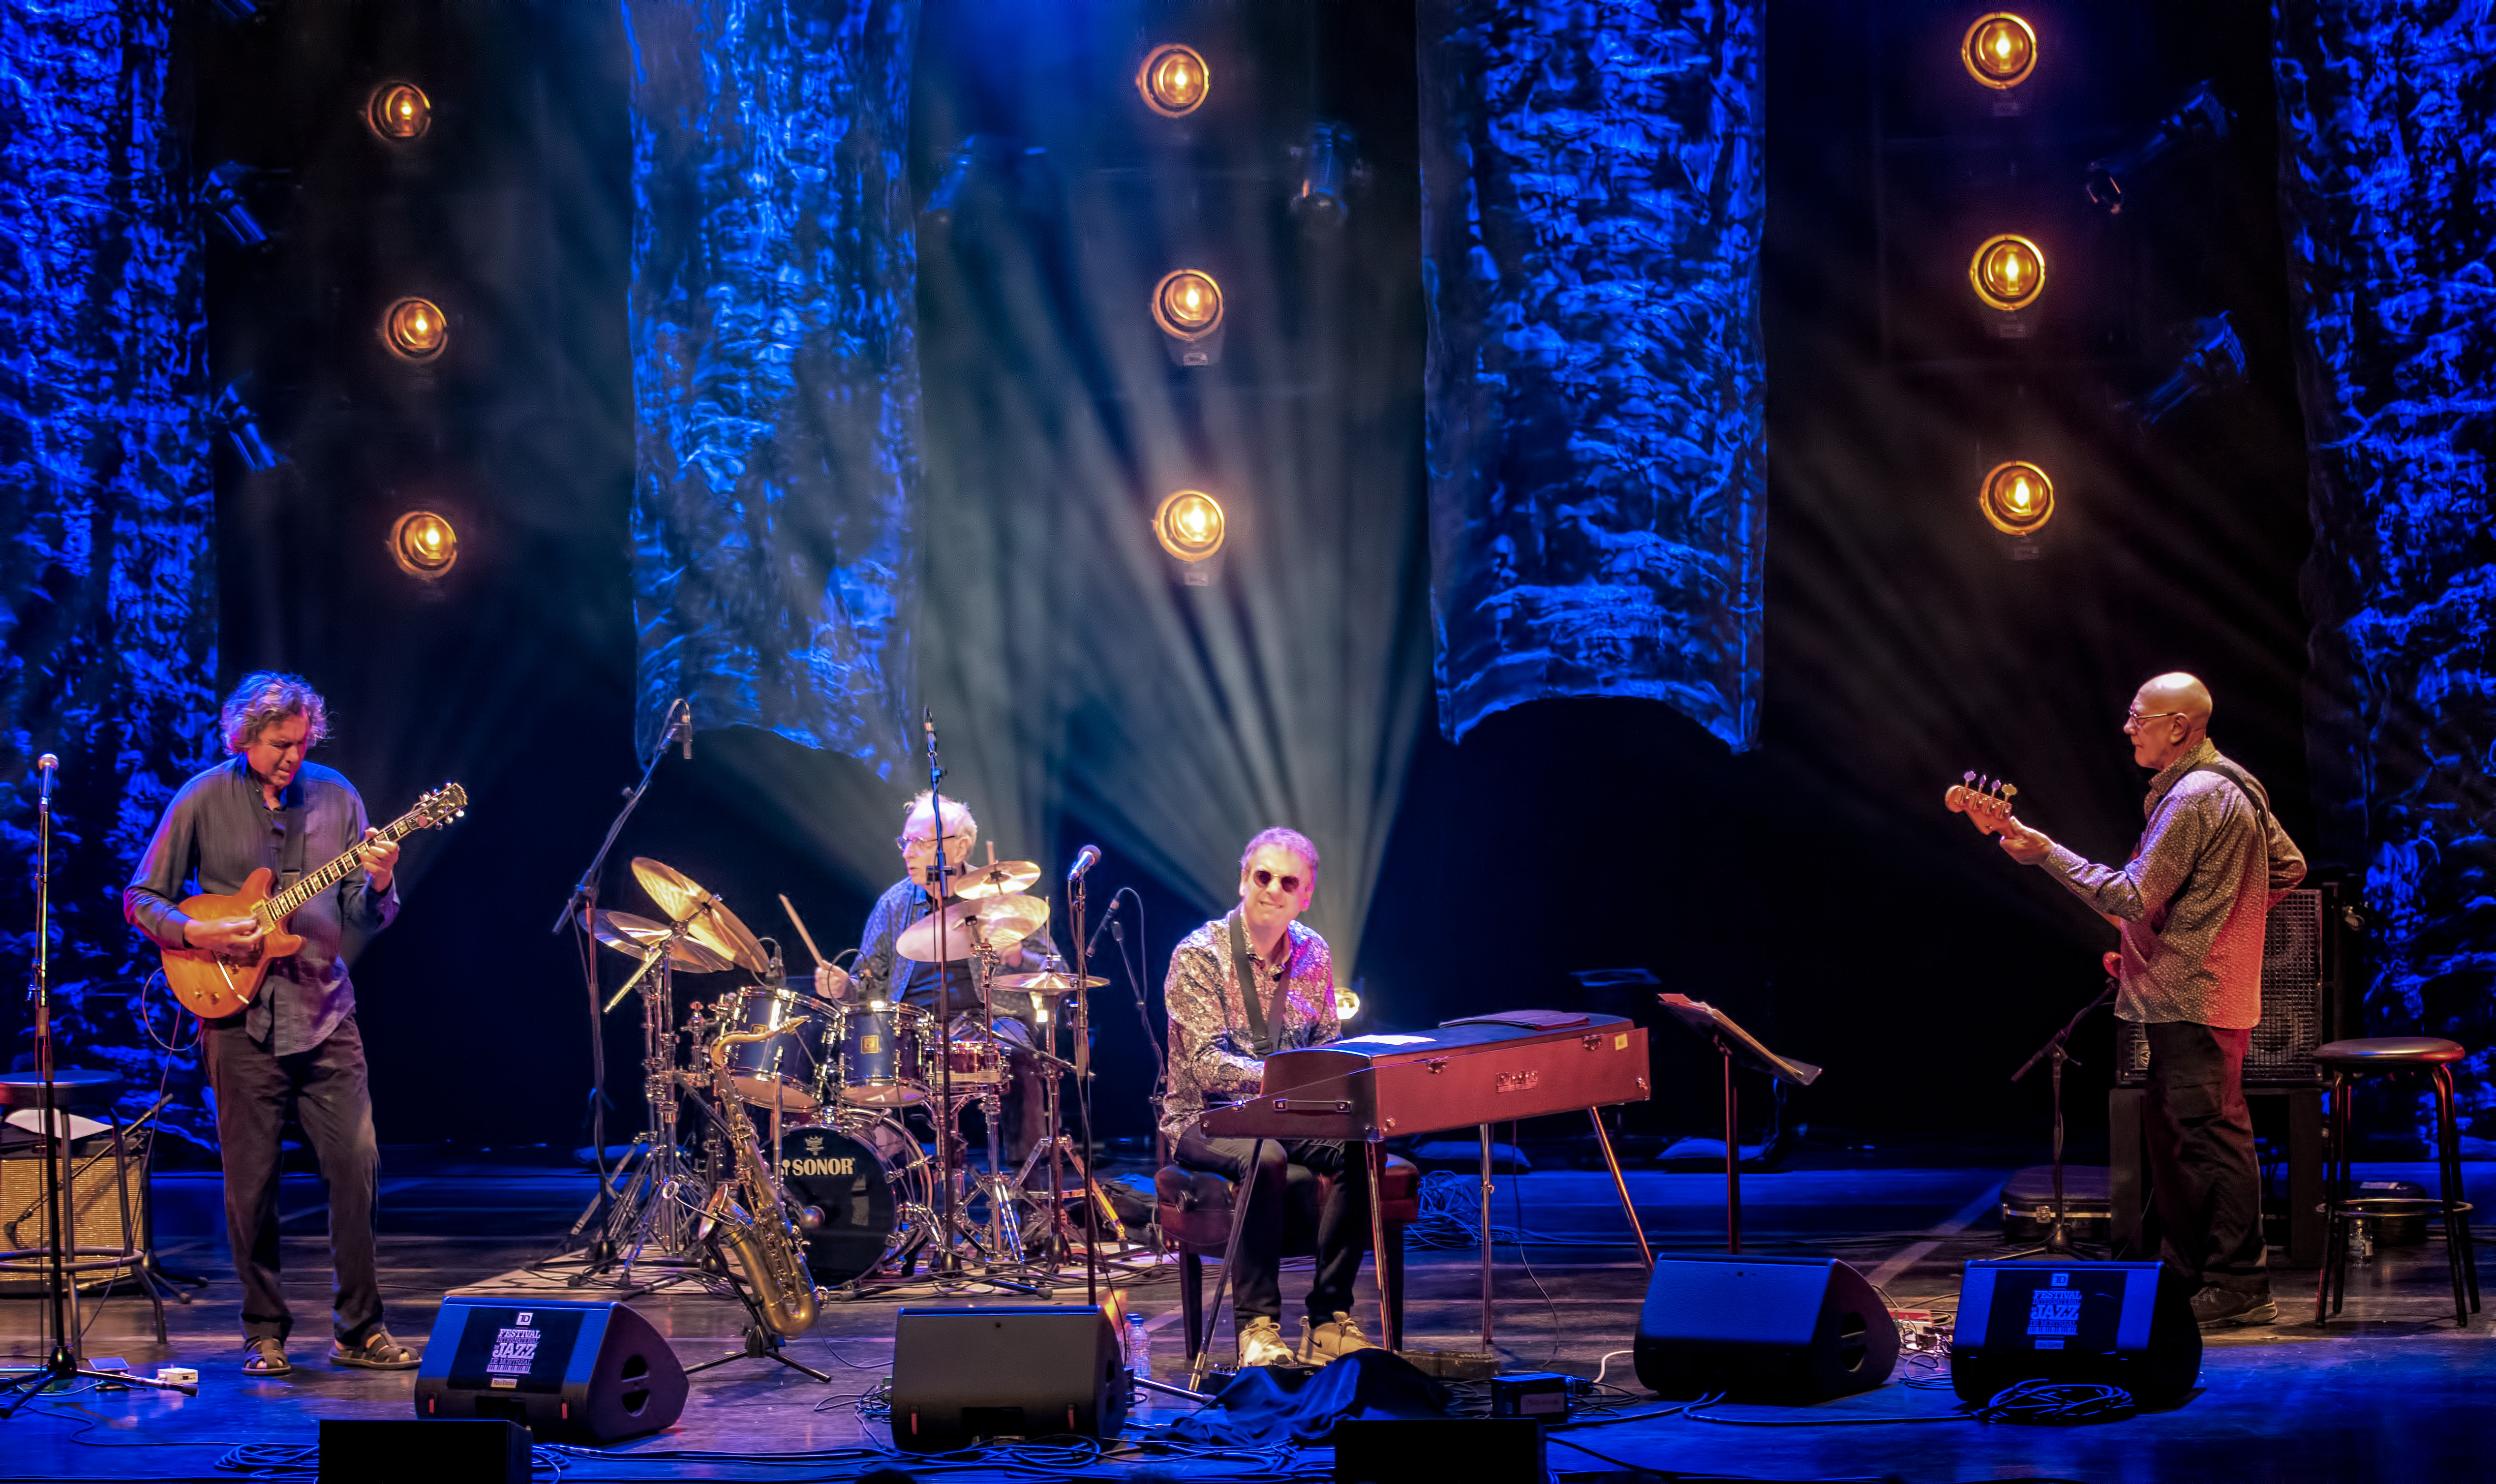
1484	1203
1646	1253
1374	1155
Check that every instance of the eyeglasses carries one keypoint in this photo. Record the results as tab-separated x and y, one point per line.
2132	719
1265	878
954	843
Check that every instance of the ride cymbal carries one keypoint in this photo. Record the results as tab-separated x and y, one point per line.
635	936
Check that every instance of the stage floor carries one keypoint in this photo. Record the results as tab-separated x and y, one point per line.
2391	1390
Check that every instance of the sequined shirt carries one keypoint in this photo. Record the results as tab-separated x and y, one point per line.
2195	900
1212	1056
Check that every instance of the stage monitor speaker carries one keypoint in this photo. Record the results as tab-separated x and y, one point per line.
2127	1324
95	1208
568	1372
1783	1329
397	1451
1432	1450
1009	1371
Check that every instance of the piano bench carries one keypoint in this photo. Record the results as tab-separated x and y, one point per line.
1194	1209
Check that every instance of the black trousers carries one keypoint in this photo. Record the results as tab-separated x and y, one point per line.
1343	1227
326	1090
2206	1178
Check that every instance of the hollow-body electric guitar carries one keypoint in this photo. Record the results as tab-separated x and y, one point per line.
212	984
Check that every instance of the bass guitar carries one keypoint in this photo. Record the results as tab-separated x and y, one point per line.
1985	801
212	984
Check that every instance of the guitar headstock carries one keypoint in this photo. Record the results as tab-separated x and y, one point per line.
1985	801
441	806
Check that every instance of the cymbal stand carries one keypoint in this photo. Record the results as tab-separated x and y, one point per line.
649	1209
1060	1152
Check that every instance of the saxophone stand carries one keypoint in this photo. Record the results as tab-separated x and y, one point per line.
65	1363
762	1341
2058	1241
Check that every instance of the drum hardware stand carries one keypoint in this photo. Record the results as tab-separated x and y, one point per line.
2058	1241
65	1362
579	908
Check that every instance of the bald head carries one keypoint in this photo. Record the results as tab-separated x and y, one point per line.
2171	716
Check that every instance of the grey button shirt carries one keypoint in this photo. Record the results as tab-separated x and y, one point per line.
2195	900
218	828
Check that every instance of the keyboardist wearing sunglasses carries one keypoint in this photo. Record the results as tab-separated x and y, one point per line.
1216	1036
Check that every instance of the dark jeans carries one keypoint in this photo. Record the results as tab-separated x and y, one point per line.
1343	1227
326	1091
2205	1179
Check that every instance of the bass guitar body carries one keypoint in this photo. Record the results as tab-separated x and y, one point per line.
213	985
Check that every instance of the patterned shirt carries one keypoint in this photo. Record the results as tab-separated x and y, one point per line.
1212	1057
902	904
2195	900
219	826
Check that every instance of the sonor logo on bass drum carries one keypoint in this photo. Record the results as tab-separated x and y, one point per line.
812	1167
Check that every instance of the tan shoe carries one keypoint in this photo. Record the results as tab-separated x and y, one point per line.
1261	1344
1324	1344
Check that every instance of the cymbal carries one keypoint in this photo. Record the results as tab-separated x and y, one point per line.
999	921
996	879
1051	983
707	919
628	933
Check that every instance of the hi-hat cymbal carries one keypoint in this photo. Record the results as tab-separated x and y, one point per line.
630	934
996	879
707	919
999	921
1051	983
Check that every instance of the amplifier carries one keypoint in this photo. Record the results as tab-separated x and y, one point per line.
95	1209
2300	993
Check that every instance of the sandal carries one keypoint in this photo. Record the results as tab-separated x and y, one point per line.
377	1352
267	1356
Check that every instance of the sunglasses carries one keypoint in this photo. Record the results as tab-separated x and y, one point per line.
1265	878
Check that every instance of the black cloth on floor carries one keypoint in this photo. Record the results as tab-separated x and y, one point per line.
1272	1405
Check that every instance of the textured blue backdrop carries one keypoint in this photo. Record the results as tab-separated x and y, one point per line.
775	366
1593	198
108	631
2389	179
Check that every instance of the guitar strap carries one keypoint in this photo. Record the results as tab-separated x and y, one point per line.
1265	1029
290	865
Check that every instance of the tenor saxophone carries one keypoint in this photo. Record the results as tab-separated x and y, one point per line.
758	1235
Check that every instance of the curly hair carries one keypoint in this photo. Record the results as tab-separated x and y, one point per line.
263	698
1289	839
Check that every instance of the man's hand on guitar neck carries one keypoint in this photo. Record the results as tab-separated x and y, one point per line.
227	936
2023	845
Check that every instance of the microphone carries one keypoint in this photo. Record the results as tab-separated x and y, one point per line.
685	728
1084	860
47	765
1107	917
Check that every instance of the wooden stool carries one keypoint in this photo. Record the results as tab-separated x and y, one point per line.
94	1094
2346	1061
1195	1209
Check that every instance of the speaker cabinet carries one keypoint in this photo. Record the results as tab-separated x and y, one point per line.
397	1451
2127	1324
1775	1329
568	1372
95	1209
1436	1451
1011	1371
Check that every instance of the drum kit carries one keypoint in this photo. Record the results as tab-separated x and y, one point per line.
837	1078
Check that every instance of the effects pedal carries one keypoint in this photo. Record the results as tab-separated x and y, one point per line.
1541	1395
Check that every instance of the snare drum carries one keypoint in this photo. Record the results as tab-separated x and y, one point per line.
975	1064
884	1050
790	1069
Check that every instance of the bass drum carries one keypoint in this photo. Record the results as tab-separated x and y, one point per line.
870	1181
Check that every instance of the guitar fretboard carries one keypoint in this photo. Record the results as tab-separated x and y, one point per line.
280	907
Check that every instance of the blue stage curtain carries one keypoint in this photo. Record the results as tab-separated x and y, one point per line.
2387	116
1593	192
775	366
107	622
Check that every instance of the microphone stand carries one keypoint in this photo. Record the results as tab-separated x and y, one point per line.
1084	1094
2058	1241
64	1363
947	1262
576	910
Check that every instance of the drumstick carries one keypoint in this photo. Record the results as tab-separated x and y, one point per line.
801	923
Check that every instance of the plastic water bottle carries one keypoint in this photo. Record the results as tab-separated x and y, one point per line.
1140	1349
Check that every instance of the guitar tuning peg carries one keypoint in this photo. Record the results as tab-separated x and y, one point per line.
2009	790
1968	777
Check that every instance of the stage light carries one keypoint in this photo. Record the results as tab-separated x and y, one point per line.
1173	80
222	194
423	545
2016	498
414	329
1187	308
1999	50
228	413
2007	272
2213	364
2199	119
399	111
1189	525
1326	164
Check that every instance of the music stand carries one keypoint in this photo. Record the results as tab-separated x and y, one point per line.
1734	1042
